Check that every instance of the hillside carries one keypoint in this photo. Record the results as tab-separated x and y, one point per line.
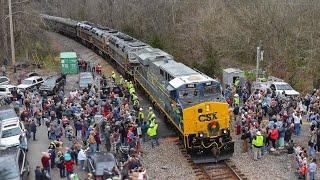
211	35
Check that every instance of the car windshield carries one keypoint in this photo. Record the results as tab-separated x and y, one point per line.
27	81
283	87
7	114
49	82
85	80
11	132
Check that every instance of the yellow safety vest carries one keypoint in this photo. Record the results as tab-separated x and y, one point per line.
237	82
258	142
136	102
236	100
113	75
152	131
141	116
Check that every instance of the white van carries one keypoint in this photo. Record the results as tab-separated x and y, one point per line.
5	90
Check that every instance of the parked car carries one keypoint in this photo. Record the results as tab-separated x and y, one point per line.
85	78
30	83
10	133
102	165
22	65
4	80
283	87
5	90
14	164
52	85
30	74
8	113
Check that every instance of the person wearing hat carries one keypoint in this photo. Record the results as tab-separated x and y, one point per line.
121	81
141	116
257	143
152	132
150	113
236	100
113	76
68	163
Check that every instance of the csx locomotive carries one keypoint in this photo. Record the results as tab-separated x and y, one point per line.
187	98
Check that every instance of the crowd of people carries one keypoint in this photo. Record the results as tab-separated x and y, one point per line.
85	122
266	123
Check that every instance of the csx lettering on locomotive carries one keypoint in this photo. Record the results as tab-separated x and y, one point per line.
207	117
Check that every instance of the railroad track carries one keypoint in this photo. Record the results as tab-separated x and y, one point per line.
224	170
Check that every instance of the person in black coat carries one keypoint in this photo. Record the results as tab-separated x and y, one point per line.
33	129
39	174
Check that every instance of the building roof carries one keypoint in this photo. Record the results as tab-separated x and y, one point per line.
232	70
68	55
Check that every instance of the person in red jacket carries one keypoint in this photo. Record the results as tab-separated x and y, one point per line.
45	160
68	163
274	135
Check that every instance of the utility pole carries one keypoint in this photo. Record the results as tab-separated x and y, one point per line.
13	56
259	58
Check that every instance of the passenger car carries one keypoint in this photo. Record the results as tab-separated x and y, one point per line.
283	87
4	80
14	164
101	165
52	84
5	90
8	113
85	78
10	133
31	82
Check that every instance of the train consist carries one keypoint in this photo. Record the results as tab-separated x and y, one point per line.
187	98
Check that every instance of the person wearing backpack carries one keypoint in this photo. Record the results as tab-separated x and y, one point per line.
60	164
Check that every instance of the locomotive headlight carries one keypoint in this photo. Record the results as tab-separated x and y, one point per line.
201	135
207	107
224	131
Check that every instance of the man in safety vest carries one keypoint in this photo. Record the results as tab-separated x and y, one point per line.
130	85
236	100
136	104
141	116
113	76
237	82
152	132
257	144
121	81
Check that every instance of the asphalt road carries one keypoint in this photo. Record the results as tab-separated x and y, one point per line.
40	145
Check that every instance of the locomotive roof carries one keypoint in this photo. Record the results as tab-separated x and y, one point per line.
125	40
66	21
189	79
176	69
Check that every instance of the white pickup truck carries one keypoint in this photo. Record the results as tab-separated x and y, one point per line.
277	85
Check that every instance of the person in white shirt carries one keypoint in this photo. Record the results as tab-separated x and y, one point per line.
82	157
297	119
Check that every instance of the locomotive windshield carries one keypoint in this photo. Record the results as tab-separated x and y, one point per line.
198	93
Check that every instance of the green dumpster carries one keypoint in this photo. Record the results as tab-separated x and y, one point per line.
69	63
